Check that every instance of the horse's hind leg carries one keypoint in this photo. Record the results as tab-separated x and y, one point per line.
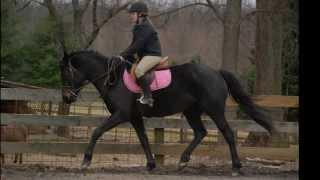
220	120
193	116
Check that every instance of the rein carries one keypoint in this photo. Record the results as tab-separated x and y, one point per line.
110	68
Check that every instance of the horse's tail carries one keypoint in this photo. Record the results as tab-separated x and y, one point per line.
245	102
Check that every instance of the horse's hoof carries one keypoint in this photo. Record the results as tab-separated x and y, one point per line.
85	165
182	165
151	166
236	172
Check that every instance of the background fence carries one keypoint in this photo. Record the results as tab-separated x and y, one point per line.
60	140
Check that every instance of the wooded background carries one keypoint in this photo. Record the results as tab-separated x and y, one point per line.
257	40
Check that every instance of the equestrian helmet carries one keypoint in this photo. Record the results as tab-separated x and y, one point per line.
139	7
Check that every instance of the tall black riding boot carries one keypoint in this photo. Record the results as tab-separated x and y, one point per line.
146	97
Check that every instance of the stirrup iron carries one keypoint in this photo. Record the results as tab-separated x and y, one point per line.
148	101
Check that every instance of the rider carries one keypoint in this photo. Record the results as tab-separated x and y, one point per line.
145	46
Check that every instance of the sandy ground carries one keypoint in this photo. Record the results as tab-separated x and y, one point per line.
250	171
98	176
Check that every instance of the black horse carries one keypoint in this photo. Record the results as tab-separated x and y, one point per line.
195	89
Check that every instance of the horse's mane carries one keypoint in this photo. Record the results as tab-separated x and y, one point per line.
114	66
92	52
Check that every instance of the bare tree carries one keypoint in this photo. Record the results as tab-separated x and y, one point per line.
78	12
230	45
268	52
112	12
269	46
82	40
231	23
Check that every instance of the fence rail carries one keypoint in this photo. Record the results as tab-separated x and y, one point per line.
90	96
50	95
242	125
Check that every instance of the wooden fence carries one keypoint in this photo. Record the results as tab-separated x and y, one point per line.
53	95
159	124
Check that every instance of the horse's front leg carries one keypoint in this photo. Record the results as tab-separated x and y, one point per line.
114	120
138	125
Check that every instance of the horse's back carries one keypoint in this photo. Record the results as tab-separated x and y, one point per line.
200	79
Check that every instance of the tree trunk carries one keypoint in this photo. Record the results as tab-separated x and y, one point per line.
77	24
230	47
269	43
268	61
268	47
231	36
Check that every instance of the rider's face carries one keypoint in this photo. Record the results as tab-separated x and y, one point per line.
133	17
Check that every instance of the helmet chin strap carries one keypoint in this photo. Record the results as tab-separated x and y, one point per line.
140	16
138	19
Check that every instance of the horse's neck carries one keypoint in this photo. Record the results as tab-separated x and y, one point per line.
116	74
106	93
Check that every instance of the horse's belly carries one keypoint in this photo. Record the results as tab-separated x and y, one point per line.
168	106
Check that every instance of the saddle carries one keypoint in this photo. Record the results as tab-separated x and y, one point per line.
159	77
164	64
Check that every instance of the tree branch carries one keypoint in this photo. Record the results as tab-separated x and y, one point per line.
78	11
209	5
95	32
94	14
24	6
166	21
59	24
86	5
38	2
178	9
215	10
254	13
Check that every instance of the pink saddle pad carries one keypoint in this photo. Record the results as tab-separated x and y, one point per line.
162	80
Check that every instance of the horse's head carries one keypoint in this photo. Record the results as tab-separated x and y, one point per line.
72	80
79	68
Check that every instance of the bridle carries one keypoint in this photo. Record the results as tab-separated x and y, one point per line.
111	66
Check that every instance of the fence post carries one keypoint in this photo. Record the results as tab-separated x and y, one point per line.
277	114
159	139
183	135
89	110
63	109
221	140
183	132
50	108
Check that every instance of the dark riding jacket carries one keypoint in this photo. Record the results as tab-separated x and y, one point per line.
145	41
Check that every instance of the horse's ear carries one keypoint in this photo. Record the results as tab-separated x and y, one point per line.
65	54
65	58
